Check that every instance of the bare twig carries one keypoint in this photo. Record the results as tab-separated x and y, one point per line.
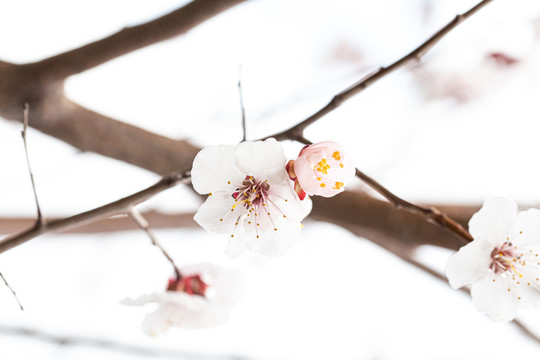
39	219
129	39
121	206
432	214
298	130
137	217
12	291
242	104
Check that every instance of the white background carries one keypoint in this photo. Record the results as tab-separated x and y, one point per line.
457	129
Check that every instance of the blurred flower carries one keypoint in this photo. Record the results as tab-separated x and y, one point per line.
202	298
321	169
250	197
502	264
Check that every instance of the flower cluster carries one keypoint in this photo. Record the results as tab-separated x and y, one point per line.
251	197
203	297
502	264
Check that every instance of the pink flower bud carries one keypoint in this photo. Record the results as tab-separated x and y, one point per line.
321	169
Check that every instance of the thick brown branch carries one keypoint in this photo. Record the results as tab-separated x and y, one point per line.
117	207
129	39
158	219
297	131
90	131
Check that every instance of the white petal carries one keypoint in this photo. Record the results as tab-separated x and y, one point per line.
217	207
469	263
526	229
530	294
493	297
276	243
214	169
284	197
264	160
236	246
493	221
141	300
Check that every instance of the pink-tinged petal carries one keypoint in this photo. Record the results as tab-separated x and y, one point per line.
323	169
494	220
264	160
215	213
526	229
214	170
499	298
469	263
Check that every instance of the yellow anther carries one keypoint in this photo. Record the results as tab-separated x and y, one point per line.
323	184
322	166
336	155
338	186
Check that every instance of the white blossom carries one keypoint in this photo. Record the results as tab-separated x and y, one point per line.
216	292
250	197
502	264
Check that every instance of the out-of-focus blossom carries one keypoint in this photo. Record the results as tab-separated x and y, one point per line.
321	169
250	197
202	298
502	264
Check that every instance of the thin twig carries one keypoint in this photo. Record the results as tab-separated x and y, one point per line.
114	208
39	220
12	291
432	214
297	132
143	224
414	56
242	104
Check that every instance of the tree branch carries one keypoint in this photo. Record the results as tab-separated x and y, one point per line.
297	131
121	206
129	39
90	131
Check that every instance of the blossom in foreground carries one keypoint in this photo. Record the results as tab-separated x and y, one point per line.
502	264
202	298
321	169
250	197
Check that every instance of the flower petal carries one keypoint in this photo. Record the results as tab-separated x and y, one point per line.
469	263
493	221
264	160
337	169
499	298
530	295
215	213
214	170
526	229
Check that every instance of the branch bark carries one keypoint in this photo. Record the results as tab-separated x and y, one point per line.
129	39
297	131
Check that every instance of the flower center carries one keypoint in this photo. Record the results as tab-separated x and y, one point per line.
502	259
253	201
252	193
191	285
